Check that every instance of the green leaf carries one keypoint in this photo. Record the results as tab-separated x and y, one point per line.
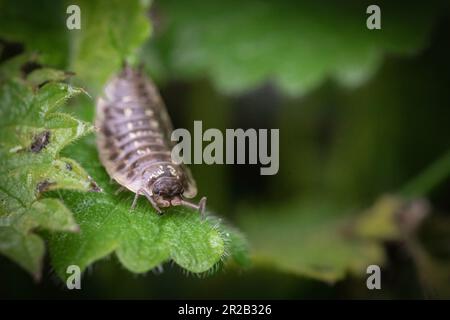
310	240
141	239
429	178
32	133
296	44
111	31
39	25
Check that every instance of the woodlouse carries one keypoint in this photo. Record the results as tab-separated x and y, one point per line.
133	140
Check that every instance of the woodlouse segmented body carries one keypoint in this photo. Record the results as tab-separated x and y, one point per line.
134	144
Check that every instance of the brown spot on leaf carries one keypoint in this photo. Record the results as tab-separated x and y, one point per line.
29	67
68	166
40	141
94	187
44	186
67	74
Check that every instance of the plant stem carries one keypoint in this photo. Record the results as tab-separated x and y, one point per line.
431	177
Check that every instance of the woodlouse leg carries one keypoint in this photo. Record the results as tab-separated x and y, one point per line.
202	206
133	205
119	190
150	198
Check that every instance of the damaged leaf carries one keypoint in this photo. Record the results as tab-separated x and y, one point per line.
32	133
310	239
111	32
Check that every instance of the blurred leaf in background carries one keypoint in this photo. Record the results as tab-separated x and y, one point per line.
353	145
310	240
295	44
39	26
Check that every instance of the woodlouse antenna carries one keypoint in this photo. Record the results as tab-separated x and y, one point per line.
200	206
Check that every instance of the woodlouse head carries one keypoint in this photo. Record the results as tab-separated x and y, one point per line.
167	187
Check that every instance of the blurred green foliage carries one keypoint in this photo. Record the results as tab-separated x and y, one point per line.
361	114
309	240
110	33
296	44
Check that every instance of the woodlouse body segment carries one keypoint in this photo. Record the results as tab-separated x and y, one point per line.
133	140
